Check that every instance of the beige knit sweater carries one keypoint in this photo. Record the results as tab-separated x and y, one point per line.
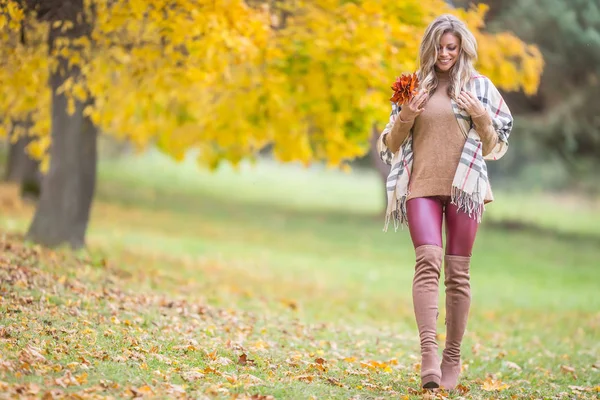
438	143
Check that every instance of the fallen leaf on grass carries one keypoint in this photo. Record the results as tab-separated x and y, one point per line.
53	394
292	304
305	378
423	393
430	395
31	354
335	382
192	376
216	390
69	380
260	345
368	385
109	385
244	360
82	378
580	388
512	365
224	361
490	385
249	379
141	391
375	365
209	370
174	389
462	389
27	389
568	370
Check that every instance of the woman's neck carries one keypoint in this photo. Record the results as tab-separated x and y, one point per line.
443	76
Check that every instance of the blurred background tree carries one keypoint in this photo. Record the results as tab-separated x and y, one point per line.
138	71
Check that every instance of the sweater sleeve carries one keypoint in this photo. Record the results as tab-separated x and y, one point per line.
485	129
398	134
495	128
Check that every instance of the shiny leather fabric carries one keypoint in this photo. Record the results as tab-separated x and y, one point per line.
425	217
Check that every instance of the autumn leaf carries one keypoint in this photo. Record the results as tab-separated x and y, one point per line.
250	379
223	361
462	389
261	397
292	304
243	359
490	385
192	376
405	87
212	355
305	378
512	365
141	391
578	388
210	370
335	382
568	370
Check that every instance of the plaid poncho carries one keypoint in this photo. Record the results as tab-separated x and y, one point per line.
470	183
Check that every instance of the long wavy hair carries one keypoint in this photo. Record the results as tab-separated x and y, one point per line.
462	71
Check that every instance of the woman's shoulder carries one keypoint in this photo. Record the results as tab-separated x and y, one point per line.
482	82
479	77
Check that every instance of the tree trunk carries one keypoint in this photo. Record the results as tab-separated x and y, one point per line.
63	211
19	163
23	169
15	166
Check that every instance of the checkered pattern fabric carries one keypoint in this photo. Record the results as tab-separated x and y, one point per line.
470	183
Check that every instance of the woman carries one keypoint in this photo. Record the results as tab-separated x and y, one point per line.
436	145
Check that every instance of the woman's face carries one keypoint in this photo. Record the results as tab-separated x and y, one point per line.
447	52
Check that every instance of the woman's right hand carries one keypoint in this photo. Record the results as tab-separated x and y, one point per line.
414	107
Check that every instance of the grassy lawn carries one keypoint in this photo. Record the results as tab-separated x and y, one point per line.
277	281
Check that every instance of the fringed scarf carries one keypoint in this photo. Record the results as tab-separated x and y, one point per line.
470	183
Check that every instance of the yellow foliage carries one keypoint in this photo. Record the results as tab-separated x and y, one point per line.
228	77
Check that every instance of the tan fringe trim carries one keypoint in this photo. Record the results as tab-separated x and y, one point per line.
398	215
466	202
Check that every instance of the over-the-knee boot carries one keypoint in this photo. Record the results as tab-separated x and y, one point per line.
458	301
425	302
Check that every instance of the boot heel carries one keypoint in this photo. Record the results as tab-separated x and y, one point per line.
431	381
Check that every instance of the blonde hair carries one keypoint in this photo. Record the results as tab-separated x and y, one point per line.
463	69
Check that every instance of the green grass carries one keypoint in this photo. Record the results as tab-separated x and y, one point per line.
320	189
290	266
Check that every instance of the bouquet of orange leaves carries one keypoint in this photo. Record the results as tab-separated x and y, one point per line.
405	87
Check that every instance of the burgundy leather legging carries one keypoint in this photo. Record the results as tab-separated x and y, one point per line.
425	215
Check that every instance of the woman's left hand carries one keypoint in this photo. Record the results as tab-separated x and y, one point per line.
471	104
